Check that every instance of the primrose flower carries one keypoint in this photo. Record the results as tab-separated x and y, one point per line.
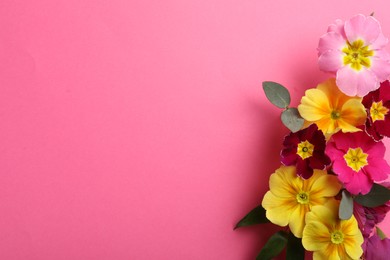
306	150
376	248
354	51
328	236
377	104
331	110
291	197
357	160
368	218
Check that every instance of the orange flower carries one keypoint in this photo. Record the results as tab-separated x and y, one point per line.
331	110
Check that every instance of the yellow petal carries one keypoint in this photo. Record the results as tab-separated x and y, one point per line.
346	127
297	220
331	90
353	239
278	210
353	112
325	186
315	235
327	125
308	184
314	105
285	183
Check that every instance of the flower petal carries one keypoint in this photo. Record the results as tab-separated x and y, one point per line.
359	183
315	236
353	114
381	68
380	42
331	41
331	61
284	183
303	169
278	210
337	27
325	186
314	105
297	220
377	169
356	83
362	27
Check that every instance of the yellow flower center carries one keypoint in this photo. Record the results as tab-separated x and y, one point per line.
337	237
357	55
303	197
305	149
356	159
378	111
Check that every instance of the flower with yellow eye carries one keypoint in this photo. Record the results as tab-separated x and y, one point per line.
306	150
331	110
290	197
358	161
377	104
329	237
354	51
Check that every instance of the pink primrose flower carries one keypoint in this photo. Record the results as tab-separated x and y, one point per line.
354	51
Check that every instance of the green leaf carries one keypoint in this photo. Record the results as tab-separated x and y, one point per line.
295	250
256	216
377	196
346	205
274	246
277	94
292	120
380	233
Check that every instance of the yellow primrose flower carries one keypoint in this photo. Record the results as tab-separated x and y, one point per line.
290	197
331	109
329	237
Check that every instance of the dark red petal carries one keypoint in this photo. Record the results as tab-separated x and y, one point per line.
319	161
303	169
290	159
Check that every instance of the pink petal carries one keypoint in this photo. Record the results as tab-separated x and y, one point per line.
382	54
344	172
331	61
359	183
340	141
381	68
375	149
380	42
356	83
361	27
331	41
337	27
377	169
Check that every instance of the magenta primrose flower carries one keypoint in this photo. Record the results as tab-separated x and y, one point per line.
377	104
368	218
358	160
354	51
376	248
306	150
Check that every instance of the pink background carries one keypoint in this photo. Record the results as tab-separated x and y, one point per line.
139	130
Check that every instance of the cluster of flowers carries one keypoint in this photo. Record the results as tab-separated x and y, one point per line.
339	150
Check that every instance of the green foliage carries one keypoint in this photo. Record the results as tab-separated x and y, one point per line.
377	196
295	250
346	205
274	246
277	94
254	217
292	120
